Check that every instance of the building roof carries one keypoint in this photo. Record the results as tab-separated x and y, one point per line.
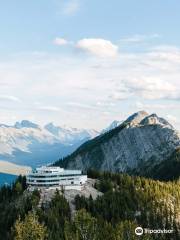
49	170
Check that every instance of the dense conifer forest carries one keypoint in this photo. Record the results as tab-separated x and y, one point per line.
127	202
168	169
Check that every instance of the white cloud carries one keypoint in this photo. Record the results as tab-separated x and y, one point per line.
9	98
138	38
166	48
172	118
83	88
152	87
119	95
71	7
150	106
105	104
97	46
80	105
60	41
49	108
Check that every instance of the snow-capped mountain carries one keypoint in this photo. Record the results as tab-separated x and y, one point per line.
26	124
113	125
30	144
70	135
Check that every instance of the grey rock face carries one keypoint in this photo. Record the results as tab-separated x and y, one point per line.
136	118
146	140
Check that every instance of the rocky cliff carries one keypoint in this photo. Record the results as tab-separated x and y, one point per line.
142	141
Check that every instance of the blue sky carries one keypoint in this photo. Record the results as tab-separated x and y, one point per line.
85	63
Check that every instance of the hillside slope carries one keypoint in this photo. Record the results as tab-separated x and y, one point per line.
112	211
166	170
141	140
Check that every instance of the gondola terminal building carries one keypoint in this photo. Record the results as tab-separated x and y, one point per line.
55	178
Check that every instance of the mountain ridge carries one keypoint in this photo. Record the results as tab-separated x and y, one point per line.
141	139
27	143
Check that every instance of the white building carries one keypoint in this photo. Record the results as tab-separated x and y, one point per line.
55	178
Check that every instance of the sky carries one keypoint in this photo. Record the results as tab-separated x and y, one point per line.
86	63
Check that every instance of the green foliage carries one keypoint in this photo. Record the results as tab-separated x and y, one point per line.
151	204
55	215
18	188
35	197
84	227
166	170
29	228
127	202
13	203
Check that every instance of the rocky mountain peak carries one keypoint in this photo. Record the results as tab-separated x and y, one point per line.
26	124
52	128
141	142
113	125
154	119
136	118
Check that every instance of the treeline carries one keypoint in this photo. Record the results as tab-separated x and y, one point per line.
151	204
54	222
15	202
127	202
166	170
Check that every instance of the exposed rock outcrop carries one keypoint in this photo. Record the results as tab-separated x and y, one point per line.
141	140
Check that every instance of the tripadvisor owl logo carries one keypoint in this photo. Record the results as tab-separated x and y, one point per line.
139	231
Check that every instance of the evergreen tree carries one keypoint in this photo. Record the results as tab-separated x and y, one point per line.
84	227
30	228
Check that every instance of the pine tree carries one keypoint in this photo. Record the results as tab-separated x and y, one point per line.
29	228
84	227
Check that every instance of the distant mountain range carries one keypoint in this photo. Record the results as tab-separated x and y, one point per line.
29	144
143	144
113	125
